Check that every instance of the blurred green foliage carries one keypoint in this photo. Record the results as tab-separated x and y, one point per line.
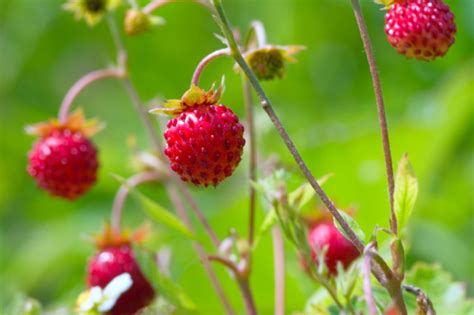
326	102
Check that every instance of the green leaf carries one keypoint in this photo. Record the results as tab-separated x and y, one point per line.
406	191
158	212
448	297
163	285
352	224
269	221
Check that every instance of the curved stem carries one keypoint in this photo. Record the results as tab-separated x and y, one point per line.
205	61
122	194
267	106
81	84
149	8
422	299
380	109
279	263
260	34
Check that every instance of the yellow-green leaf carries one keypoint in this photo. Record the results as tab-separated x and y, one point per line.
406	191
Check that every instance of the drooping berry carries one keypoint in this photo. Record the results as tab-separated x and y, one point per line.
339	249
204	142
421	29
64	161
113	261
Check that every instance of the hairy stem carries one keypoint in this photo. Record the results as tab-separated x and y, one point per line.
122	194
380	109
422	298
267	106
81	84
279	263
205	61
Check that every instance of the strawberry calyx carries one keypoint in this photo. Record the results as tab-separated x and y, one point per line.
313	218
76	122
193	97
110	238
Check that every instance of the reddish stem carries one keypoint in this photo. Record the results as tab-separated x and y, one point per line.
279	262
122	194
367	286
81	84
205	61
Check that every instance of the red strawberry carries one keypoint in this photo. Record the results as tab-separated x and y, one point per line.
113	261
204	143
421	29
64	161
339	249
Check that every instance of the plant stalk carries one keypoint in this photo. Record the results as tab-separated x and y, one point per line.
380	109
81	84
279	263
252	157
267	106
141	109
205	61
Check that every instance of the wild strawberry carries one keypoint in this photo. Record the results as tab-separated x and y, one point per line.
64	161
339	248
421	29
115	257
204	143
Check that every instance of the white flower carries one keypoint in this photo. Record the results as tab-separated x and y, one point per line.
98	300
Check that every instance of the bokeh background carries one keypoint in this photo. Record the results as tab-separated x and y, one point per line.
326	102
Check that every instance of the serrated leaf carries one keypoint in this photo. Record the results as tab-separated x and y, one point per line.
406	191
352	224
448	297
164	285
269	221
157	212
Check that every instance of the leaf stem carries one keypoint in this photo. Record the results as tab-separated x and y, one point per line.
122	194
81	84
205	61
380	108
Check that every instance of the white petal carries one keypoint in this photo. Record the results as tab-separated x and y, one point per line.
118	285
95	296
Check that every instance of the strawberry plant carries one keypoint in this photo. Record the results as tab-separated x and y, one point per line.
202	145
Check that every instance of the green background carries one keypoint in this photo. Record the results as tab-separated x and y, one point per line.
326	103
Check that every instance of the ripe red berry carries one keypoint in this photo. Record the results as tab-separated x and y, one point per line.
339	249
113	261
421	29
64	163
204	144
